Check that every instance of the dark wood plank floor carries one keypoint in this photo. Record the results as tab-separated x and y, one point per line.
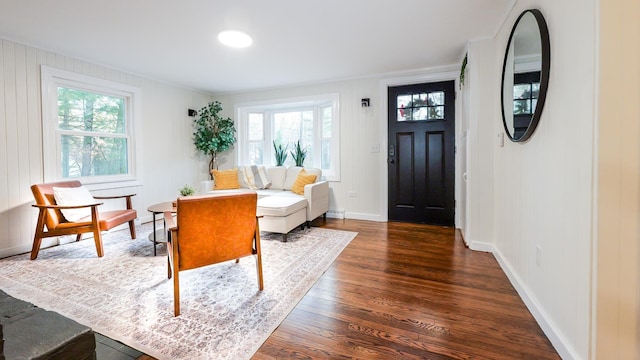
408	291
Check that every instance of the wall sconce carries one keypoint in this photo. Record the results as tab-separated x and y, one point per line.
365	102
192	112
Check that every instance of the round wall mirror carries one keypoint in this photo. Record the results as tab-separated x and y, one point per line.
525	75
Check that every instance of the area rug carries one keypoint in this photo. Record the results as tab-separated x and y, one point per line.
126	295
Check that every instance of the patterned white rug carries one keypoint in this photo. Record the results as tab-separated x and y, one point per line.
126	295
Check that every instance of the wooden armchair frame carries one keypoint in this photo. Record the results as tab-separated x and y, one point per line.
49	216
212	229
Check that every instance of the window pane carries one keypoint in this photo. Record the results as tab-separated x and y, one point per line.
436	98
535	90
93	156
521	107
404	101
256	126
326	122
255	153
405	114
419	100
436	112
326	154
522	91
420	113
87	111
291	127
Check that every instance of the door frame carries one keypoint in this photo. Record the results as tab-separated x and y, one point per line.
440	74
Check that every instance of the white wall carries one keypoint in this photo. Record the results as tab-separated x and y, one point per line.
168	159
542	190
482	81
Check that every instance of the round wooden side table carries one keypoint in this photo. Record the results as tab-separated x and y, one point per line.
159	236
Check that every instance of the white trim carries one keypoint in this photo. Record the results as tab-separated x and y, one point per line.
548	326
481	246
364	216
51	78
445	73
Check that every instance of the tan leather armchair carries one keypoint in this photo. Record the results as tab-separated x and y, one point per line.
56	225
211	229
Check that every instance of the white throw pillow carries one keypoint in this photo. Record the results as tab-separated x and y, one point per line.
67	196
277	175
292	175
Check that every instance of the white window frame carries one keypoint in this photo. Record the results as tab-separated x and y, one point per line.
51	79
292	104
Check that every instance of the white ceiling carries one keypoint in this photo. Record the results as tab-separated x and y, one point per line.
295	41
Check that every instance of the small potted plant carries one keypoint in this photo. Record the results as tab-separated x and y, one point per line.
187	190
281	153
299	154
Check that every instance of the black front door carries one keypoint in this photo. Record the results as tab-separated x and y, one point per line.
421	153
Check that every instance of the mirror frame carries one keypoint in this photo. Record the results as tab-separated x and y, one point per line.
544	74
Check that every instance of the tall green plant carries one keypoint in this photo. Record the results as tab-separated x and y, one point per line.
213	134
281	153
299	154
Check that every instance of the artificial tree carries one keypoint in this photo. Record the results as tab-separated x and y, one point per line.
213	134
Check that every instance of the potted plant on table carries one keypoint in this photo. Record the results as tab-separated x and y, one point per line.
187	190
212	133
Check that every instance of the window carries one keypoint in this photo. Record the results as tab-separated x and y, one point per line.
526	87
87	127
313	121
421	106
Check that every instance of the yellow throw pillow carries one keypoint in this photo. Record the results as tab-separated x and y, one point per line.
225	179
302	180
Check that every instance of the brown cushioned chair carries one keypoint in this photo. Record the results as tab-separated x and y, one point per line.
56	225
211	229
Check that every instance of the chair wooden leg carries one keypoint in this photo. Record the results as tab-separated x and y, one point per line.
35	249
37	238
132	229
97	238
78	237
258	257
176	291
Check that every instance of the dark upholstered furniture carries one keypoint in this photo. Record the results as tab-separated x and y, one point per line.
30	332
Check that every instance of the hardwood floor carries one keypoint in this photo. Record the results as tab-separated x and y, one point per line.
408	291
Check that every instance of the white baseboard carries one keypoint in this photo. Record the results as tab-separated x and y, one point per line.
559	342
481	246
363	216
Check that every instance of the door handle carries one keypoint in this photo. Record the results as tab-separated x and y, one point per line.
392	153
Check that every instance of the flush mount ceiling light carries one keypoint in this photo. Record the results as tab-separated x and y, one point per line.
235	38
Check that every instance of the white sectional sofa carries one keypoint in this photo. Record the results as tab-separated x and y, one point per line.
281	209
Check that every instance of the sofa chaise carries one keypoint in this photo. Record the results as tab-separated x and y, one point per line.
287	197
